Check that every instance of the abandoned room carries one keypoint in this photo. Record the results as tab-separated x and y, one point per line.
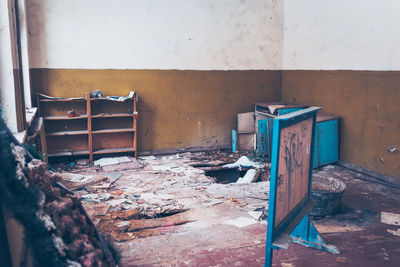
199	133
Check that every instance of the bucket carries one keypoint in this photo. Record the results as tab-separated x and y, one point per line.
326	194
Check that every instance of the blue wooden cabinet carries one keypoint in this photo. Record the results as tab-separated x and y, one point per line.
326	148
264	118
326	142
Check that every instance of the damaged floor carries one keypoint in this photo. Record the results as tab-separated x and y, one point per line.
164	211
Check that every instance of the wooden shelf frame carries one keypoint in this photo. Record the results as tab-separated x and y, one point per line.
92	147
80	117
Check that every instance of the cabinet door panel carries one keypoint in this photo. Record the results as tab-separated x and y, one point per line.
328	142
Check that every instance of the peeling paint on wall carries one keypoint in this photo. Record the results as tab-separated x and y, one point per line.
155	34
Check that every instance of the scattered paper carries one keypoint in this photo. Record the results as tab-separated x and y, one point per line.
106	161
148	158
113	175
390	218
123	159
96	197
76	178
117	202
122	224
256	215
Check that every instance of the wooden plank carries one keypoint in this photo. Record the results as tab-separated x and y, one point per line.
65	117
89	126
113	131
294	167
67	133
134	127
245	122
68	153
116	115
43	143
62	99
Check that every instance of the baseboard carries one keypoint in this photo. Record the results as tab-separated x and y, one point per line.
366	171
183	150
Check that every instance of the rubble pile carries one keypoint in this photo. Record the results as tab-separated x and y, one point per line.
162	194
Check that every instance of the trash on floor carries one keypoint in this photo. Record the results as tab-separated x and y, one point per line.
393	232
75	178
96	197
248	178
110	161
390	218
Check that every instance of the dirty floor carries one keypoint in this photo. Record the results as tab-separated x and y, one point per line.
165	211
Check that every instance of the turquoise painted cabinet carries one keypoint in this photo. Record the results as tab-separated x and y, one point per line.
326	142
264	123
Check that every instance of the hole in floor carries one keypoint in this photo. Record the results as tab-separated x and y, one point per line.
226	176
163	214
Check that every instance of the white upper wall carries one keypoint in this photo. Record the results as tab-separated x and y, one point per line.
341	34
155	34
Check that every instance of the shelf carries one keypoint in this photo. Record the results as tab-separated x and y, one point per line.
68	153
62	100
104	115
65	117
113	150
113	131
80	132
103	126
109	99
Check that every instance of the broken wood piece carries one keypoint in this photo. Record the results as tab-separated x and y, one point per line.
88	183
128	215
177	219
121	237
390	218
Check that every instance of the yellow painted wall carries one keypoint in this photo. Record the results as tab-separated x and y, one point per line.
177	108
368	103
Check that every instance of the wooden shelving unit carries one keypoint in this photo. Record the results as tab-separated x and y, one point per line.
100	126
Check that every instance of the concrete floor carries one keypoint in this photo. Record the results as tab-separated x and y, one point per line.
218	227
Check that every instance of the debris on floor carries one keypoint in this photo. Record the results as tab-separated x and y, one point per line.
393	232
163	193
185	203
390	218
